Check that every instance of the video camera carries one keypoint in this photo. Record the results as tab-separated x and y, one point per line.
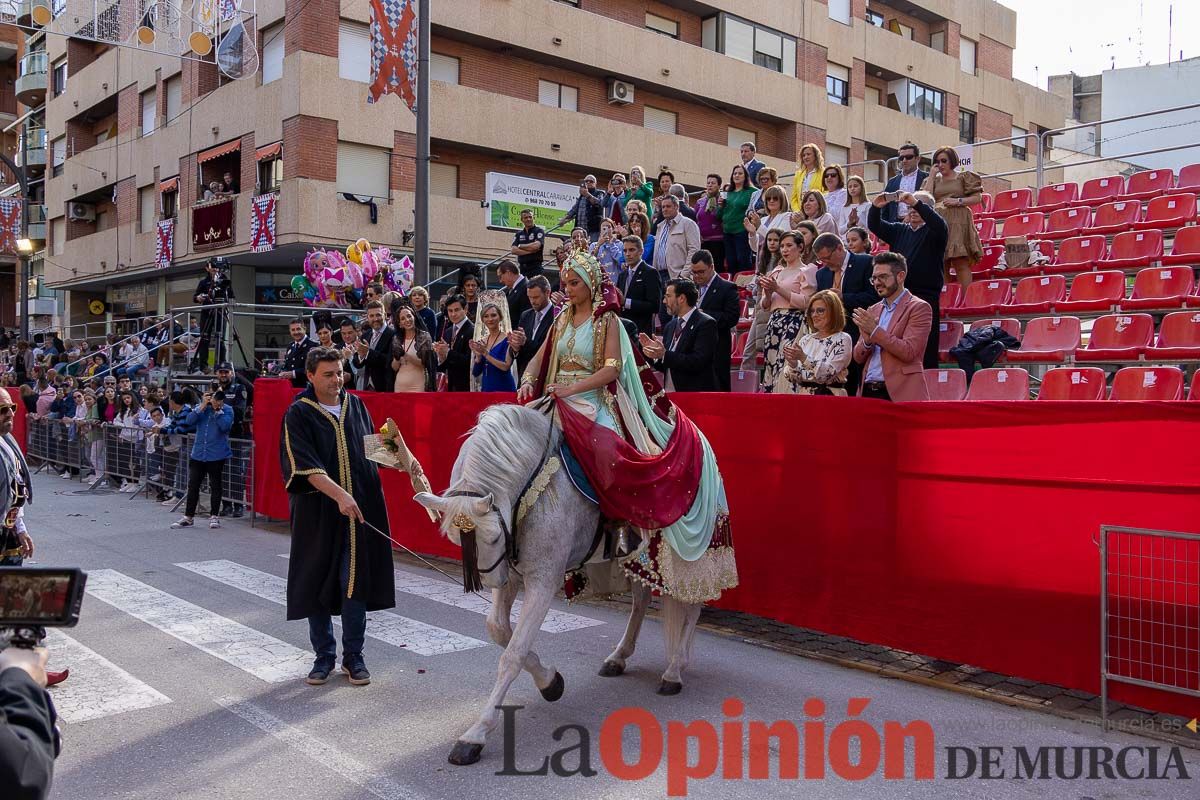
35	598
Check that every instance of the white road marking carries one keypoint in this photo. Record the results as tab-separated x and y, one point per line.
319	750
451	594
96	687
411	634
263	656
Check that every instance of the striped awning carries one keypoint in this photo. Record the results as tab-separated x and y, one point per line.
169	185
267	152
219	150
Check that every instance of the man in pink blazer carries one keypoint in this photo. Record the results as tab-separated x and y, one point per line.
893	335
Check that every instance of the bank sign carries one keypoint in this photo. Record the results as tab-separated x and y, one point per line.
508	195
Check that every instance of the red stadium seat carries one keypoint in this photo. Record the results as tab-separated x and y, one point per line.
743	380
1067	222
1169	211
1036	294
1006	204
1055	196
1148	383
1099	191
1027	225
1073	383
1133	249
1115	217
983	297
991	257
1147	184
999	383
1048	339
739	344
1118	337
1188	181
951	297
1178	338
1094	291
949	332
986	228
1185	248
1194	393
1160	288
1078	254
1007	324
985	204
946	384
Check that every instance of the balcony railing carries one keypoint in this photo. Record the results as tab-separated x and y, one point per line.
33	64
37	222
31	78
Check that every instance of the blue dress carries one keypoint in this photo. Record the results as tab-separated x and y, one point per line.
495	380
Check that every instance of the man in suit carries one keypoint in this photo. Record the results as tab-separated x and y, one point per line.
893	334
297	352
848	274
689	344
921	239
639	285
534	325
373	357
349	336
718	299
515	288
453	349
909	180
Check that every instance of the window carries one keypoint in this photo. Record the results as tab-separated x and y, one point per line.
744	41
738	137
1019	149
170	203
558	96
839	11
836	154
657	119
966	125
58	235
270	175
58	156
149	111
966	56
873	96
837	84
937	41
363	170
272	54
926	103
174	88
443	68
896	26
667	27
148	206
59	83
875	18
443	179
354	51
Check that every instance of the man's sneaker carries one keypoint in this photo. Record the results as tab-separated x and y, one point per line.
320	672
170	501
214	522
356	668
155	477
183	522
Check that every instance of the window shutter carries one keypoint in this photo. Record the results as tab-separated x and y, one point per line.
443	179
363	170
569	98
966	55
443	68
656	119
354	51
836	154
837	71
272	61
738	137
58	153
149	111
739	40
174	97
839	10
59	235
148	200
548	93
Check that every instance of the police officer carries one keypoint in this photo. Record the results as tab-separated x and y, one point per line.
213	289
297	353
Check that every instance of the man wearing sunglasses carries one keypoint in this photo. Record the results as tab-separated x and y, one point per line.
910	179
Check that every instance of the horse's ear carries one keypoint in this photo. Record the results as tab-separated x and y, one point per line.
430	501
481	506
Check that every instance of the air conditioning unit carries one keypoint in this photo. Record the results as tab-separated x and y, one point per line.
620	92
81	212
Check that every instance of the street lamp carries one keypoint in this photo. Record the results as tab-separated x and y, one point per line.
24	245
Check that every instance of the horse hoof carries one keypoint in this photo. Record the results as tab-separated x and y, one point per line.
465	753
611	669
670	688
554	690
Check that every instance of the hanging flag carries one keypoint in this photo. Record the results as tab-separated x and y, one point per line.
164	249
10	223
262	222
394	50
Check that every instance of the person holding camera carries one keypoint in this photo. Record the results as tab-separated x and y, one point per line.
211	420
29	740
213	290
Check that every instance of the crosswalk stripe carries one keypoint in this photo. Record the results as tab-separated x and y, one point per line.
319	750
97	687
451	594
262	656
411	634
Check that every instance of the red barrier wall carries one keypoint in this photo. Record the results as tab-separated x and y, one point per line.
19	425
964	531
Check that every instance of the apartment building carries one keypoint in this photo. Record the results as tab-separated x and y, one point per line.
23	141
525	88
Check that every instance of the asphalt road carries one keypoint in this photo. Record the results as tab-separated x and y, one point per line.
186	684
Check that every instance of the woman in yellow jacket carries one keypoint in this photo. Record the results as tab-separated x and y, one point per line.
809	173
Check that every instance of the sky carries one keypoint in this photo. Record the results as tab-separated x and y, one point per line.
1087	36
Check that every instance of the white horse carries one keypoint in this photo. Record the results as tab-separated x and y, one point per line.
506	449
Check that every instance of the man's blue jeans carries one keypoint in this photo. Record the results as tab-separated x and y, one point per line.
354	622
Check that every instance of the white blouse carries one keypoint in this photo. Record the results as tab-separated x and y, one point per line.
834	201
828	358
781	222
843	215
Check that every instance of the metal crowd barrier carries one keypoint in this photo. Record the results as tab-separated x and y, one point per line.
111	456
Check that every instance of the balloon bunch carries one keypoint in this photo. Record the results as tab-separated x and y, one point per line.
333	280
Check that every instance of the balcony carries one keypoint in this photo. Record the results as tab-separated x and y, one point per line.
32	74
32	155
37	222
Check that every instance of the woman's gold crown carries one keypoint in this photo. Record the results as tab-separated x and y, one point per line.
584	259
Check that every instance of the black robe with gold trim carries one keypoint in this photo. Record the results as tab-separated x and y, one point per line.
314	441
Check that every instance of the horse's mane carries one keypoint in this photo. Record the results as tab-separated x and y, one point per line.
499	456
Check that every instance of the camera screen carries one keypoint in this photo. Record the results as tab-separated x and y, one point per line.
36	596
